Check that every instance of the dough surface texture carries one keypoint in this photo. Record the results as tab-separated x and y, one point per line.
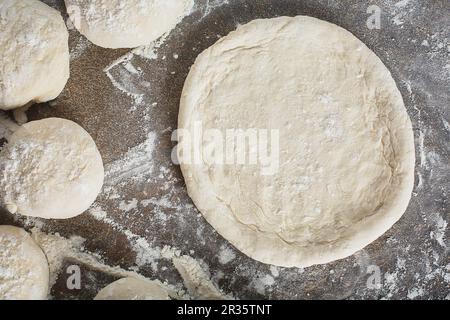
346	149
34	53
24	272
50	169
133	289
126	23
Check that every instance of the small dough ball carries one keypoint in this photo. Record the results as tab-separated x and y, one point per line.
34	53
133	289
126	23
50	169
24	272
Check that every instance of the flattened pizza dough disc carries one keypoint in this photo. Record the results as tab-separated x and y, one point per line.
346	147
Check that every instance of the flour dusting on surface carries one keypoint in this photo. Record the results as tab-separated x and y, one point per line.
226	255
136	164
439	233
197	280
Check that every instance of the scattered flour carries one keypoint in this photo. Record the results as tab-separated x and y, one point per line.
445	122
127	78
439	233
120	76
149	51
415	293
146	254
58	249
197	280
402	3
391	279
128	205
163	202
134	165
210	5
422	150
80	48
226	254
400	11
274	270
263	283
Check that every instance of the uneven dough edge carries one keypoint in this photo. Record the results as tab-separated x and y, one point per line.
36	263
255	244
116	36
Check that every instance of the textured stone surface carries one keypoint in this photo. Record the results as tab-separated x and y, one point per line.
413	257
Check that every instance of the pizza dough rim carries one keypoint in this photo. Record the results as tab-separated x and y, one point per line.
272	250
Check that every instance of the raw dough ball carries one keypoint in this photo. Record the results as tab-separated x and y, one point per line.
126	23
34	53
133	289
24	272
50	169
345	166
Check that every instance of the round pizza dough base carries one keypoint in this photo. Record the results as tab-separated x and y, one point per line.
346	153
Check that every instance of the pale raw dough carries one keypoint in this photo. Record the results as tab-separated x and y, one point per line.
196	280
126	23
133	289
24	272
50	168
346	168
34	53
